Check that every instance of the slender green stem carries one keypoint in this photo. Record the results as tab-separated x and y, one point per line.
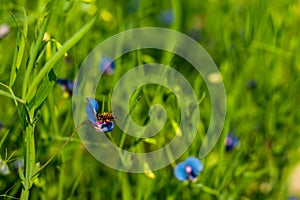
24	194
126	188
11	95
209	190
3	93
59	150
29	160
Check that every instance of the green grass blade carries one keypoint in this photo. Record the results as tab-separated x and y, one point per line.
46	87
34	52
49	65
22	44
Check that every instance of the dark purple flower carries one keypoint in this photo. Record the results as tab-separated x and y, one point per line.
1	125
251	84
100	124
66	85
231	142
166	17
19	163
189	169
195	34
107	65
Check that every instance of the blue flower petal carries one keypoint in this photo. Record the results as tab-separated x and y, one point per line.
91	110
292	198
70	85
179	171
107	127
195	163
231	142
66	85
166	17
107	65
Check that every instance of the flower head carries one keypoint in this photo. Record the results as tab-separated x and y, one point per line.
107	65
252	84
4	30
101	122
19	163
66	85
231	142
4	170
166	17
189	169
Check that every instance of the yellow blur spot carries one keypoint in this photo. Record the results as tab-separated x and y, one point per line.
177	129
46	36
148	172
215	77
106	15
87	1
59	46
66	95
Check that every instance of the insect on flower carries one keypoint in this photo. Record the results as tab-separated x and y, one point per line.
102	122
105	117
189	169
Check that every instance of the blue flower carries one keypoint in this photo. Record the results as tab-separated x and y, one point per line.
189	169
107	65
292	198
252	84
19	163
100	125
66	85
166	17
231	142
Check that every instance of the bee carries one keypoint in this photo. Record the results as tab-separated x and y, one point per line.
105	117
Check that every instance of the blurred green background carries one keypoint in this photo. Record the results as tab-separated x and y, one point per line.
255	45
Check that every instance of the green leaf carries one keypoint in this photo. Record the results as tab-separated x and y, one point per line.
46	87
36	48
60	53
19	51
3	138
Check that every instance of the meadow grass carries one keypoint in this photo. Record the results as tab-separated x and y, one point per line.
255	45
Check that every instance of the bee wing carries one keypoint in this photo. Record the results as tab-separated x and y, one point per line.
91	110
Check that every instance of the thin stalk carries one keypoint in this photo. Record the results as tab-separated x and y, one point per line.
209	190
58	150
11	95
29	160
